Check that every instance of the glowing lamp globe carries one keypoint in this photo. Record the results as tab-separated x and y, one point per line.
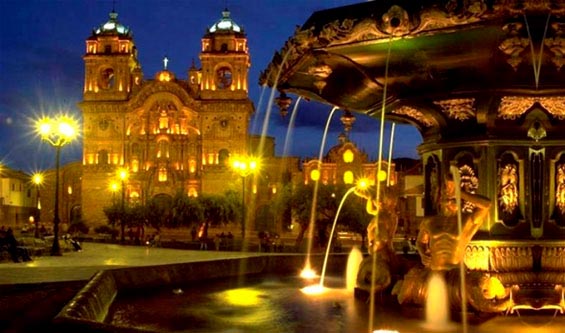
315	175
381	176
362	184
348	177
348	156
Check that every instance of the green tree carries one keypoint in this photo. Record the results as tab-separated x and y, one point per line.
353	215
281	206
186	210
214	209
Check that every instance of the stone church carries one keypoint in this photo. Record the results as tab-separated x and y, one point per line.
170	133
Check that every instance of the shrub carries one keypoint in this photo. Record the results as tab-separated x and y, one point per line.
105	229
80	227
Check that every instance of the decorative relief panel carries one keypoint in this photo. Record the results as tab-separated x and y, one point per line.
458	108
559	213
512	107
418	116
514	45
556	45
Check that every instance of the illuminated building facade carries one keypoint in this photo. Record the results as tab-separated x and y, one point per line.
171	134
18	199
344	164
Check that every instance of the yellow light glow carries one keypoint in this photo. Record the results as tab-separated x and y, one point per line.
315	175
44	126
245	165
114	186
57	131
242	297
386	331
308	273
348	177
37	178
67	127
381	176
315	289
123	174
348	156
362	184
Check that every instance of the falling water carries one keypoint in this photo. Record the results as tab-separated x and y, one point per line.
457	178
437	309
259	105
353	263
536	59
329	246
270	104
315	194
390	154
290	128
378	189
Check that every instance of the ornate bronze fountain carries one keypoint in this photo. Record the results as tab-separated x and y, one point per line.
483	82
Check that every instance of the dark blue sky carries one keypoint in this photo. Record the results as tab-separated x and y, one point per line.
41	67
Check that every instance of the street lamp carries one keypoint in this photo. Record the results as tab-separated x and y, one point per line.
37	179
123	175
58	132
244	166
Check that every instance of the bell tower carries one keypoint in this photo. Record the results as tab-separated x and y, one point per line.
112	75
226	107
225	61
111	66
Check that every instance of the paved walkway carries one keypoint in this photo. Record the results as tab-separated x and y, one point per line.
82	265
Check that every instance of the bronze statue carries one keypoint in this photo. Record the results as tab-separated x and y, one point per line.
442	247
439	243
380	234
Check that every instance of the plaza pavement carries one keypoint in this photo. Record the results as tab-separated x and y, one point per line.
80	266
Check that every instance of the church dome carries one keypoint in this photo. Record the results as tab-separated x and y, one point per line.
225	24
112	27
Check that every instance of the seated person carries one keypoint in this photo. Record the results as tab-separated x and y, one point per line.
16	252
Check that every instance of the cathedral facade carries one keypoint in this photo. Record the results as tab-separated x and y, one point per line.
171	134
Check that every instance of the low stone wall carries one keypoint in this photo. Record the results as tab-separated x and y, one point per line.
87	311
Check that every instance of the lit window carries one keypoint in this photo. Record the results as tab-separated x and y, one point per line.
348	177
163	174
135	165
348	156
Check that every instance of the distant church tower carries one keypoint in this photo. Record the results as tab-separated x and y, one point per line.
171	134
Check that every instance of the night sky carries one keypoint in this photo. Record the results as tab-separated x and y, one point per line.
41	68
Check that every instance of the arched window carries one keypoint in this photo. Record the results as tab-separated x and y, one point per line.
107	78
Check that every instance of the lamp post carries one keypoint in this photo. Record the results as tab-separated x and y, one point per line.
244	167
37	179
123	175
58	132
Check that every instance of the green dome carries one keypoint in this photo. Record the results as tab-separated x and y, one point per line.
112	27
225	24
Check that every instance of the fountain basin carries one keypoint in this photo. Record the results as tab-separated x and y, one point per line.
88	310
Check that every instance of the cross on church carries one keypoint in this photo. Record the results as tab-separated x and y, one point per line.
165	62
